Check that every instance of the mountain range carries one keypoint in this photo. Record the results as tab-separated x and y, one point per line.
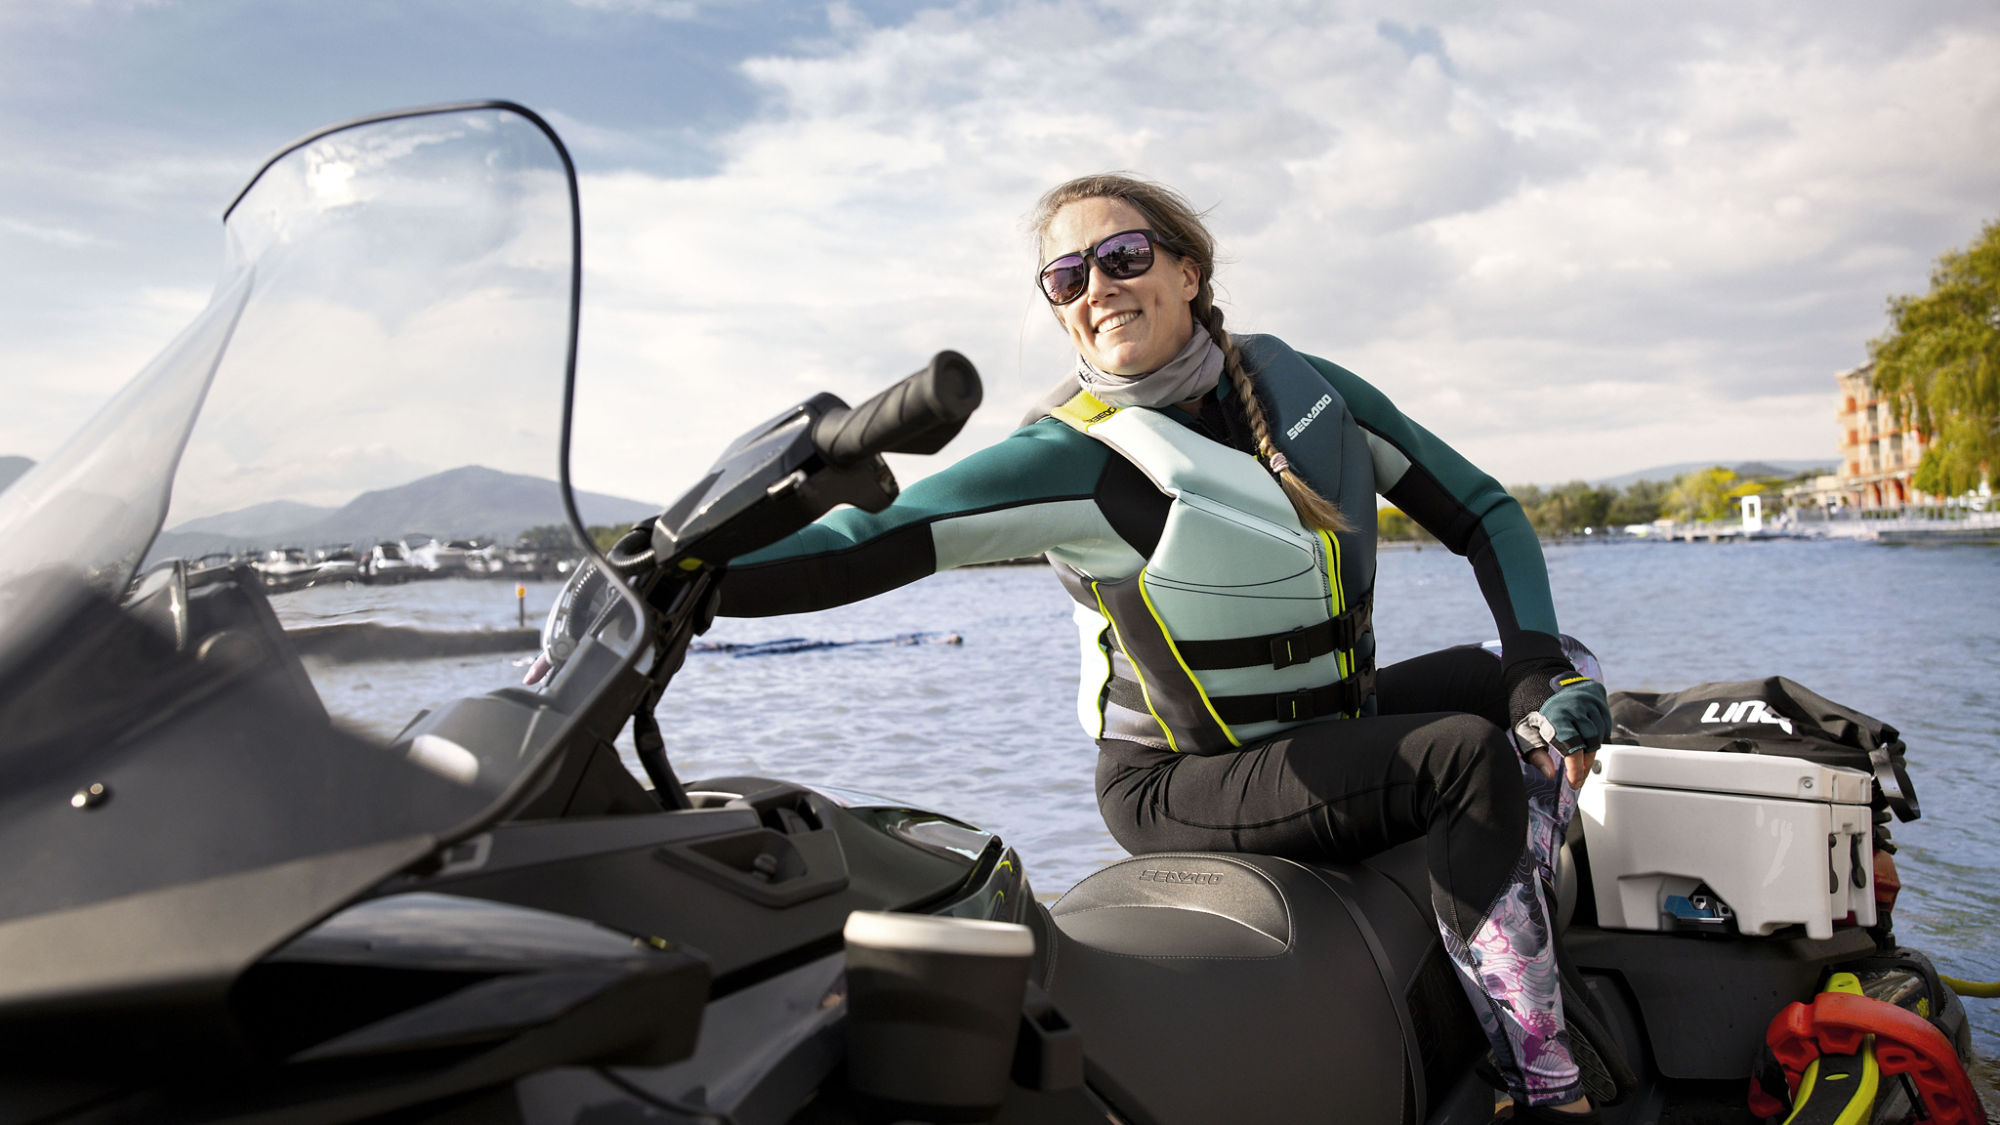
1749	470
475	501
468	502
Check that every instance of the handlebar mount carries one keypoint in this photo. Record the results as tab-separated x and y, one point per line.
803	463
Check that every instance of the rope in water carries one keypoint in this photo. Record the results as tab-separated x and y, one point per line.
787	645
1985	990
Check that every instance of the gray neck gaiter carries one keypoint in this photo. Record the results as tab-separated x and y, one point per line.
1192	373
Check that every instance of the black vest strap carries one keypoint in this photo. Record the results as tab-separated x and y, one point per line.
1281	650
1342	698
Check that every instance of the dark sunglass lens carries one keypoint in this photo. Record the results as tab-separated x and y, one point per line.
1063	280
1126	255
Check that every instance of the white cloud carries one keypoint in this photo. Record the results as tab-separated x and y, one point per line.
58	236
1574	241
662	9
1551	234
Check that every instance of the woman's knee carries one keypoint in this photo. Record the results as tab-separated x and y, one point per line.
1472	763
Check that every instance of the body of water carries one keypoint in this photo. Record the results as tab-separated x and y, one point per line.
986	730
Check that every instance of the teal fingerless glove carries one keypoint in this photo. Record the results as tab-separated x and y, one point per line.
1573	710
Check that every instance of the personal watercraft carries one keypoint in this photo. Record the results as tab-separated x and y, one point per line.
231	900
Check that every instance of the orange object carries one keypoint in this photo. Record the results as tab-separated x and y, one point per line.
1836	1023
1886	881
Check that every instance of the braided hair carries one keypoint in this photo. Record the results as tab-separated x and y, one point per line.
1178	229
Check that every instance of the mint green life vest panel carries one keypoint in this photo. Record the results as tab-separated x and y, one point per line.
1243	622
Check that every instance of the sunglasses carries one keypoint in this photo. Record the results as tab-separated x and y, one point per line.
1123	256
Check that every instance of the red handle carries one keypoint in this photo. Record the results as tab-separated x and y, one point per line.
1835	1023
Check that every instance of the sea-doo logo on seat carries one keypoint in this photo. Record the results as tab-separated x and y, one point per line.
1299	426
1745	711
1162	875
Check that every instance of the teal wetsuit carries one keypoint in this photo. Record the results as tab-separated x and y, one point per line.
1047	485
1431	761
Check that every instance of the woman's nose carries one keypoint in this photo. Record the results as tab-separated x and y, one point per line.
1101	284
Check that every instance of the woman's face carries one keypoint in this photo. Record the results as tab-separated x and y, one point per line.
1122	327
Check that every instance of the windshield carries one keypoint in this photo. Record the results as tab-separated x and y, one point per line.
366	419
333	504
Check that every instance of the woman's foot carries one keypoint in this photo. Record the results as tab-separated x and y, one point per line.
1578	1112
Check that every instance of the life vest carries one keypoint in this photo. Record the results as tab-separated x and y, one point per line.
1243	622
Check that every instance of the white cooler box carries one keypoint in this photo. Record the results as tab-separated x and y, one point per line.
1782	841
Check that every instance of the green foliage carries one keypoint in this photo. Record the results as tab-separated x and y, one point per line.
1639	503
547	537
1392	524
1702	495
1941	361
1566	509
557	537
1569	509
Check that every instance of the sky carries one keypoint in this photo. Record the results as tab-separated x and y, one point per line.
1574	240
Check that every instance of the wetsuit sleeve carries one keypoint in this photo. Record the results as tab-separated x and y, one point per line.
1030	492
1467	510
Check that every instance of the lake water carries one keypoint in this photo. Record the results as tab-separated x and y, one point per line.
986	729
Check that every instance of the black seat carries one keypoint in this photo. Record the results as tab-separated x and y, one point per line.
1221	987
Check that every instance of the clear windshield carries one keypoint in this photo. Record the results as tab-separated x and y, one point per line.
365	421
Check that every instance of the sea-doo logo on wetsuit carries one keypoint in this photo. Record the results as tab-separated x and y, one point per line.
1162	875
1299	426
1745	711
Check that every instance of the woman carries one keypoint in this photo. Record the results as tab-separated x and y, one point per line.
1207	499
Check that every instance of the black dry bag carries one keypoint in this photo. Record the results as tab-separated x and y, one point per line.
1769	716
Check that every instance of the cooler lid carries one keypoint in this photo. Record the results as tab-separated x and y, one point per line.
1752	775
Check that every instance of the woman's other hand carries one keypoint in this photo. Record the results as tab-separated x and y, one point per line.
1553	705
1576	767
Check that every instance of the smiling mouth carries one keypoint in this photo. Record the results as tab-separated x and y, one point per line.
1115	321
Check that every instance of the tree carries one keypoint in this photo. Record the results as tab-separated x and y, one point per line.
1702	495
1565	508
1639	503
1940	363
547	537
1391	523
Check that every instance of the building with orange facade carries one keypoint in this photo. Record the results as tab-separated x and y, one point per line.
1878	453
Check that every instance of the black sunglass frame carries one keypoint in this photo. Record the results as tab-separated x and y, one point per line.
1089	257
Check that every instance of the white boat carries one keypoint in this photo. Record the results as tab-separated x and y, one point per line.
285	568
389	562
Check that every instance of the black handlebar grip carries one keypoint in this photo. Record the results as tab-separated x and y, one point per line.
917	415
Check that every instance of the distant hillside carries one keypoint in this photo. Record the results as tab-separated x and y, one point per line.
274	518
1747	469
465	503
11	469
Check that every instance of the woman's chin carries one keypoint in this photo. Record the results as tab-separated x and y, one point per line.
1123	360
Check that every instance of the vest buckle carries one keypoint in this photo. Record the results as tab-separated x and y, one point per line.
1295	706
1349	626
1291	648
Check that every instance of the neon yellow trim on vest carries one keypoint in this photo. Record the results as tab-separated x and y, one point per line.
1083	411
1343	659
1144	692
1176	650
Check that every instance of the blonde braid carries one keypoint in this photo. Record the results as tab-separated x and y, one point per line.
1314	510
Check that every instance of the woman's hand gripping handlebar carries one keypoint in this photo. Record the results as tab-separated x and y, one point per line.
771	483
917	415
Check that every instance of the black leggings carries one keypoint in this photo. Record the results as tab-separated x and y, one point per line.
1433	763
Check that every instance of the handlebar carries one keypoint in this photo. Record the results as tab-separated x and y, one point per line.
917	415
